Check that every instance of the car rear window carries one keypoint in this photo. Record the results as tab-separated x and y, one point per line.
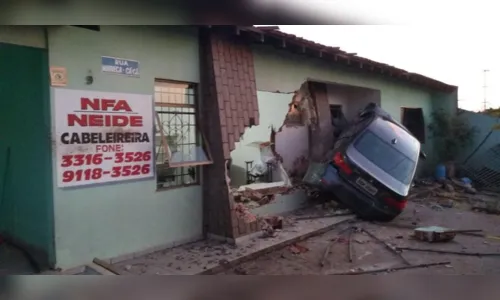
385	156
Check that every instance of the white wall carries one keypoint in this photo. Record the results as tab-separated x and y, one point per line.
352	99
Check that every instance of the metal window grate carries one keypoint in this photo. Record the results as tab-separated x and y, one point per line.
484	168
175	105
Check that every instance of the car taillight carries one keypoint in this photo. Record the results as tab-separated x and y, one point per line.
338	160
397	204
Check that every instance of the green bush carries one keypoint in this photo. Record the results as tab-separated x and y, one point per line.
451	134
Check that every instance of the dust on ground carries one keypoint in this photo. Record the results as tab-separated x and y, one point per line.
368	253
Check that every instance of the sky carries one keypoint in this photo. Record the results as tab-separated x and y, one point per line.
455	54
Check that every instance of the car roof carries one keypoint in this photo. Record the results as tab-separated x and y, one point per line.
390	131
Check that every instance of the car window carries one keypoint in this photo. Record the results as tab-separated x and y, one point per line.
385	156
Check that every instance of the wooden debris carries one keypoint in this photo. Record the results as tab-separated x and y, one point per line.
389	247
392	269
107	266
349	243
448	251
324	216
329	246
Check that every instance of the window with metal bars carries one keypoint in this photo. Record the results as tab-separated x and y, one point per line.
181	147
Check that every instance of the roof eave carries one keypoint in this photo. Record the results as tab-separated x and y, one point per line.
279	39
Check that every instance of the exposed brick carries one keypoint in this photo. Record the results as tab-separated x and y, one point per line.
234	218
223	75
236	231
229	124
234	116
231	141
227	152
230	73
227	109
250	109
232	100
225	92
246	118
231	86
218	85
241	124
229	102
242	227
224	133
218	72
220	101
223	121
240	109
236	130
253	89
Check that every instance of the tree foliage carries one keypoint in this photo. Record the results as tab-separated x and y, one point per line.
451	134
494	112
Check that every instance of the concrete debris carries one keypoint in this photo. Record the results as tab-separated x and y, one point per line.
271	225
433	234
253	198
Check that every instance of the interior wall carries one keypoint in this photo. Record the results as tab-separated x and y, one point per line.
352	99
26	208
115	219
273	108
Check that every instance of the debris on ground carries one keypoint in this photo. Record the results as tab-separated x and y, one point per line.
297	249
270	226
342	212
338	239
449	251
453	192
361	272
433	234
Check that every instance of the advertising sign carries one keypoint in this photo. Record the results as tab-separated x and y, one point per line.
120	66
102	137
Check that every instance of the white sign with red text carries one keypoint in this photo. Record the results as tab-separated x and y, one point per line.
102	137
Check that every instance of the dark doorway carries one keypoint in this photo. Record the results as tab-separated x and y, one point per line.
335	112
413	120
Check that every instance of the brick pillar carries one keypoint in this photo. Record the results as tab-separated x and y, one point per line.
229	106
321	138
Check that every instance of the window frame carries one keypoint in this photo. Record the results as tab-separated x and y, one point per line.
200	134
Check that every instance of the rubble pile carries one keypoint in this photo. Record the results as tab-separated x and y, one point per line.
254	198
449	193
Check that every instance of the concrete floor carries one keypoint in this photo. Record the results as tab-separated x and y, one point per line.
369	254
204	256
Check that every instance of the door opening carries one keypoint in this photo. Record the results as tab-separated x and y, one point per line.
413	120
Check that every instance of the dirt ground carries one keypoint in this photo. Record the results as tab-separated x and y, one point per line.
370	254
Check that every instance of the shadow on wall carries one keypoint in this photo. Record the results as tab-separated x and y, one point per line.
349	100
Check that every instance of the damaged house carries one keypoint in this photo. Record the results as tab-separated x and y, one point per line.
217	125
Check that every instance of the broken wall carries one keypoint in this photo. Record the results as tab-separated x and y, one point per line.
284	71
273	108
